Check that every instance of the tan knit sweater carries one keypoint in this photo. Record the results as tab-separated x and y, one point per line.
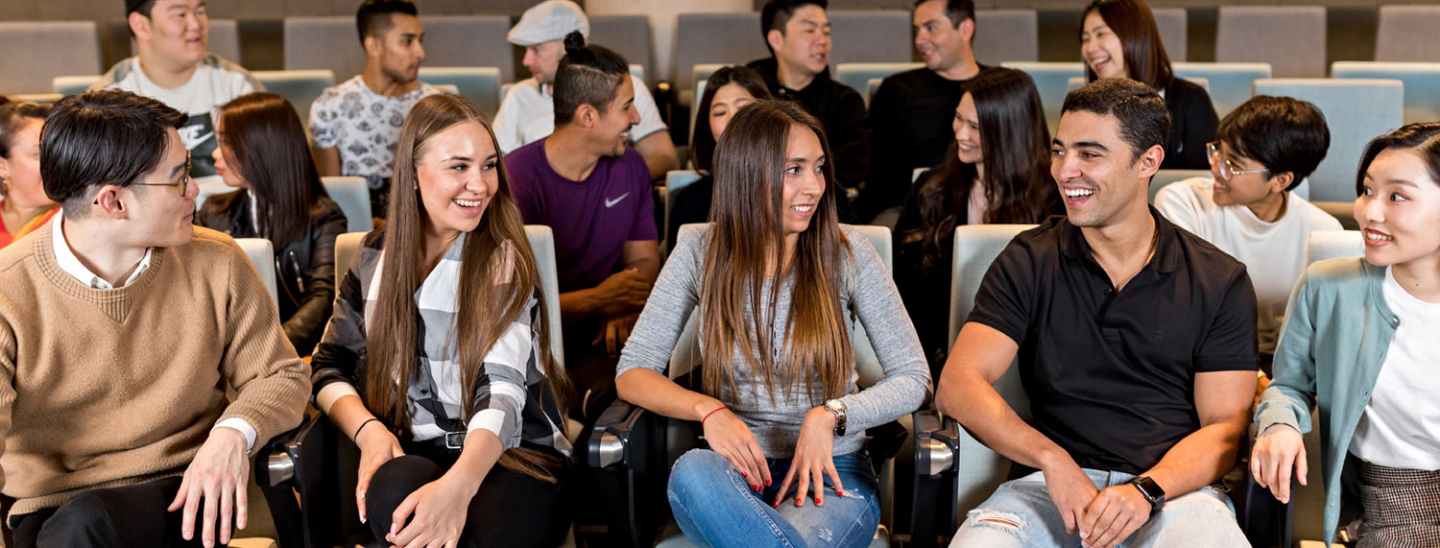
112	387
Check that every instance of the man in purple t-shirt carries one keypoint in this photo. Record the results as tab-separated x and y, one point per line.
594	193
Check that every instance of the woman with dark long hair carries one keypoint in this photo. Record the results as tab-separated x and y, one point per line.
23	203
778	283
263	152
726	92
997	172
436	362
1359	342
1119	39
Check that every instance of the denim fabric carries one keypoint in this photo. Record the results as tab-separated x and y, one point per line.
1021	514
715	506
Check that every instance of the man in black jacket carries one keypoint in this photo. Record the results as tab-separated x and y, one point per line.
798	34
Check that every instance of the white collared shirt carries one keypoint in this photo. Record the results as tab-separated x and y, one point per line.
70	263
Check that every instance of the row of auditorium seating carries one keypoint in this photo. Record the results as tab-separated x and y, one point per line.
1292	39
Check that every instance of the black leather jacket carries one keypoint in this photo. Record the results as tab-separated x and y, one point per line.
304	270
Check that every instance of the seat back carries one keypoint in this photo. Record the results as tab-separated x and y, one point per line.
1407	33
353	197
262	256
481	85
32	60
468	41
1356	112
300	87
542	246
1172	23
1334	244
1230	83
628	35
1167	176
674	181
976	247
866	36
73	85
324	43
699	93
1422	84
707	38
209	186
1006	35
1290	38
1052	81
858	75
1079	82
346	246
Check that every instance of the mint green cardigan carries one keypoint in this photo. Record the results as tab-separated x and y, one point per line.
1337	332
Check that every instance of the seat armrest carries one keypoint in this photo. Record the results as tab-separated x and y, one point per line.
277	461
933	496
936	443
610	438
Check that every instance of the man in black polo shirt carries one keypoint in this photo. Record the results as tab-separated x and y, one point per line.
913	111
1136	345
798	35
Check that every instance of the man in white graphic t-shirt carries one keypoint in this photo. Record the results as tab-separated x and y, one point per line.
357	123
173	67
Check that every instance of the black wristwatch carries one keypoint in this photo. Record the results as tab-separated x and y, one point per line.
1151	491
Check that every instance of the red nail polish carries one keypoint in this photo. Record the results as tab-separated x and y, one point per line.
743	474
841	493
817	501
767	483
799	502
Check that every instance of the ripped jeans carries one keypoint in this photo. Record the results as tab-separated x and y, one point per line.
715	506
1021	514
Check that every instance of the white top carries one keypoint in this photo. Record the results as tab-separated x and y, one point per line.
528	114
68	262
1273	253
364	126
214	83
1401	424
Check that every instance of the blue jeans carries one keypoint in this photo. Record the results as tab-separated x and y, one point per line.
1021	514
715	507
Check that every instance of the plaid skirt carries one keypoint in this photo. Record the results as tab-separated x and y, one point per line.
1402	507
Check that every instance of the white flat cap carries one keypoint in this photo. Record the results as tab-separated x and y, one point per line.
549	20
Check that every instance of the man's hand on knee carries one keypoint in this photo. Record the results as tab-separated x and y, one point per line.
218	475
1113	516
1071	489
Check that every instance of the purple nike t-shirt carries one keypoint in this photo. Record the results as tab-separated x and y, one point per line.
592	219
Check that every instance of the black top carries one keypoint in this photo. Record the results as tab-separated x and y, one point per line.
912	114
1116	388
840	109
1192	125
690	204
926	291
304	270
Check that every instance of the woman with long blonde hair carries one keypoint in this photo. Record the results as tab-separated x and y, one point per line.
435	362
779	284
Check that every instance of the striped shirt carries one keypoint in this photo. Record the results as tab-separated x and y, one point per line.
512	397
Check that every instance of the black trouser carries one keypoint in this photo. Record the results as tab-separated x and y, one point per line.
510	509
134	515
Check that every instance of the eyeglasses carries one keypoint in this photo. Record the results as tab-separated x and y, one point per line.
183	183
1227	169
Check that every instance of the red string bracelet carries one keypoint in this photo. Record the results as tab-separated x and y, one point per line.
717	410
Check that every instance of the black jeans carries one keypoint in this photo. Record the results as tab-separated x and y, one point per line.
510	509
134	515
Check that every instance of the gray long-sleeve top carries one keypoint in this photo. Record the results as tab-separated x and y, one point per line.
867	292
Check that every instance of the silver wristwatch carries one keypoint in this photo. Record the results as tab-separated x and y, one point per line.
837	408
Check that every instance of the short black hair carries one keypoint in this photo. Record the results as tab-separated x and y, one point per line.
1284	134
101	137
375	17
957	11
1144	120
588	75
777	13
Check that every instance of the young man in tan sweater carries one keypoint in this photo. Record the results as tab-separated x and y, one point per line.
121	327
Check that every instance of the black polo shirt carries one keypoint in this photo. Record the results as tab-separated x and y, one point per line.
1111	376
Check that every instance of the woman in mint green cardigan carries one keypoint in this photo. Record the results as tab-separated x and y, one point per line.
1362	340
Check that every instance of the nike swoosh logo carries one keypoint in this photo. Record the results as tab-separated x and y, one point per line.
609	203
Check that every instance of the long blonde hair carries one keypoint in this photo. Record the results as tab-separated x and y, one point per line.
749	184
488	301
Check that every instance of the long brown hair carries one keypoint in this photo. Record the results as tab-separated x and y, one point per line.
497	277
749	182
1015	143
269	149
1134	24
